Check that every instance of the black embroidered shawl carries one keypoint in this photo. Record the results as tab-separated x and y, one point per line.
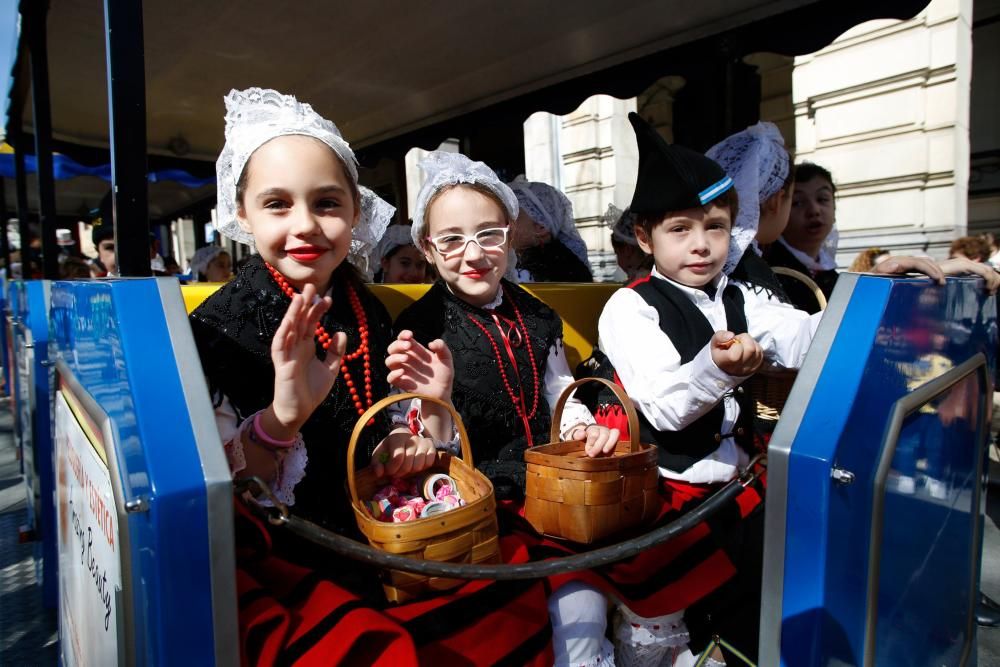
553	262
233	330
479	395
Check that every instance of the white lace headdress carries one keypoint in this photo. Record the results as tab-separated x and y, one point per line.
444	168
758	163
622	224
203	257
255	116
394	237
553	210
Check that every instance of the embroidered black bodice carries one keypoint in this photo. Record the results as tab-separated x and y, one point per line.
496	430
553	262
233	330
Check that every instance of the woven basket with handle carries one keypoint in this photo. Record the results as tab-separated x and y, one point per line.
771	388
465	534
583	499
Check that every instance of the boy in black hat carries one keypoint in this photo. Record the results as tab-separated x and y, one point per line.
682	341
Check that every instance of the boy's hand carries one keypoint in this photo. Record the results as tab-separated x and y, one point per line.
401	453
736	355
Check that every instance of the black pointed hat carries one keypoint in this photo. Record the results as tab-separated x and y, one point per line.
672	178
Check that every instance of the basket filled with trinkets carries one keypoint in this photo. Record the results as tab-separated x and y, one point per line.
444	513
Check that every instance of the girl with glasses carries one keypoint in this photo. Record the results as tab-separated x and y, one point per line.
510	365
506	344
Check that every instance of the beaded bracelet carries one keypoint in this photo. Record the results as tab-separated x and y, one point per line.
258	435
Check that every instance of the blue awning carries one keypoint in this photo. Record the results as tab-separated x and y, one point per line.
65	168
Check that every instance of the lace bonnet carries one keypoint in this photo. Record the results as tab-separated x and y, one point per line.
444	168
758	163
622	224
255	116
203	257
394	237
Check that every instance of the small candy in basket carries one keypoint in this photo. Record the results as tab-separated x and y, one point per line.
409	499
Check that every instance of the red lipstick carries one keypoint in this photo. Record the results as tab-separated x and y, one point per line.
475	274
306	253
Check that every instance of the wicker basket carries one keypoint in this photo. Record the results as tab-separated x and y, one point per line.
583	499
770	389
466	534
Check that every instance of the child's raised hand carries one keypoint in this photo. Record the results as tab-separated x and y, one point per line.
401	453
301	379
423	370
737	355
598	440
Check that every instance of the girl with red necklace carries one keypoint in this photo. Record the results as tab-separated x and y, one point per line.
508	355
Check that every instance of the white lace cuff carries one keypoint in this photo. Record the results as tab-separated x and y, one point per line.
291	464
408	415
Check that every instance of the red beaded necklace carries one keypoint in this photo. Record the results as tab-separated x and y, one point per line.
522	337
325	341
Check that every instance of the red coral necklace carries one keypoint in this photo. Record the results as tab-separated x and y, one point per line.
518	335
325	341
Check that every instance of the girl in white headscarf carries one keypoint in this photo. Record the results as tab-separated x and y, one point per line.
548	245
632	261
211	264
509	355
292	347
758	162
397	260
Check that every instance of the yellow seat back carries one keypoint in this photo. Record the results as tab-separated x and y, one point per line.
578	304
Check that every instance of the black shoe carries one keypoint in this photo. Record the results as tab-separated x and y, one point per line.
986	616
989	602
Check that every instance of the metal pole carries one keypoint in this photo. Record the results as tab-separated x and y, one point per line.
21	187
4	240
127	110
34	19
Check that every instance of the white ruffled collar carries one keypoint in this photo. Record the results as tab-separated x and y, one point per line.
492	305
824	263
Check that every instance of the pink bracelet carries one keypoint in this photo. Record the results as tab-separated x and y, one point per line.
257	433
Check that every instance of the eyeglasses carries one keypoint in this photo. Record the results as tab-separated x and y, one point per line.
454	244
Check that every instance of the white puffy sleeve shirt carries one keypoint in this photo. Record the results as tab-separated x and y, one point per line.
672	395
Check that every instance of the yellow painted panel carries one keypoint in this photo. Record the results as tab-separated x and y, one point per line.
579	306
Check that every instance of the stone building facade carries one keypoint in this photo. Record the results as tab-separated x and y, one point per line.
902	112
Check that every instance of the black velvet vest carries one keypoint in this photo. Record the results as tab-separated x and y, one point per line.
689	330
233	330
479	394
